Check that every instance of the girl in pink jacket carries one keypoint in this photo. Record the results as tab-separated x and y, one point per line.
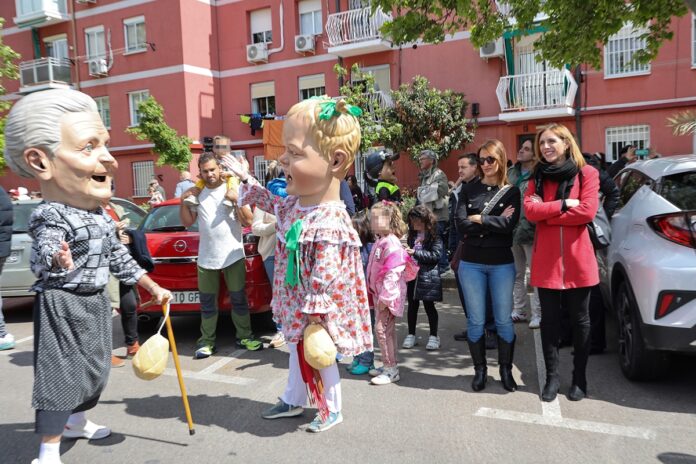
388	270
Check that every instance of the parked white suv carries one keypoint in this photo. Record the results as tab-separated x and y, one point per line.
652	264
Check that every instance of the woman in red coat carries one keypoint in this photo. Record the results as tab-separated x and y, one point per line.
562	200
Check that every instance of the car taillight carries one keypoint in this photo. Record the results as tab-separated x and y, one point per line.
669	300
676	227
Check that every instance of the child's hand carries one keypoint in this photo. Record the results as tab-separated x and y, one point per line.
507	212
195	191
63	258
239	169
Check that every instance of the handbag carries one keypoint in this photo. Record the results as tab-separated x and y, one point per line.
599	228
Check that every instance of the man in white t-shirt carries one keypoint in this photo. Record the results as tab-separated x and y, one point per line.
220	251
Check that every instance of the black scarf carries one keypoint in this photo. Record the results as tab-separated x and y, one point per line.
564	174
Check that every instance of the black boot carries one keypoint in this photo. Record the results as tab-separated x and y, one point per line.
478	355
506	353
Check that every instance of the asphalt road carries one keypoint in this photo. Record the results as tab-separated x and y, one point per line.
431	415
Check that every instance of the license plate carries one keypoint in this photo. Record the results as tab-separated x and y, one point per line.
185	297
14	257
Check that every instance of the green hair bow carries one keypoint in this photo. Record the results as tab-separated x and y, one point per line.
328	110
292	244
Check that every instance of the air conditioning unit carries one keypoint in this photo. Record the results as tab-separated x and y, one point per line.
493	49
86	1
304	43
98	68
257	53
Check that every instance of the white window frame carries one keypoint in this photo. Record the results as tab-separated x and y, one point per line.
143	172
134	99
262	90
104	108
50	41
260	168
314	85
693	41
637	135
630	35
311	8
94	54
261	22
134	23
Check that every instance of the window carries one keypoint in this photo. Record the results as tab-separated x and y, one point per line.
619	52
134	99
311	86
680	190
134	33
263	98
94	40
260	167
634	182
381	75
104	110
310	17
618	137
57	47
143	172
261	30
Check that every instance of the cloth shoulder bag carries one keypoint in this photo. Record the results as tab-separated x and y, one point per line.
600	227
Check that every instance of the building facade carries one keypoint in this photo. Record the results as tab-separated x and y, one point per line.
215	64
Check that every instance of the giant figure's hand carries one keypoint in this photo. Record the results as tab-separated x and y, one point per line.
236	167
63	258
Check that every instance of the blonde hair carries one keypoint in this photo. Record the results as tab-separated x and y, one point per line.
496	148
397	226
217	138
340	132
562	132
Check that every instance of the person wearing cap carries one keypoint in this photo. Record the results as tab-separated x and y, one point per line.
379	167
433	193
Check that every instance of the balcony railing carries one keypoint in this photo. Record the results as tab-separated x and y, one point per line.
378	99
38	13
44	73
537	92
348	27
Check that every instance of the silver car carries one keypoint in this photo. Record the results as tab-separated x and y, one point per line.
652	263
17	278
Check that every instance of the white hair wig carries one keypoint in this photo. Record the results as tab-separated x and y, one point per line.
34	122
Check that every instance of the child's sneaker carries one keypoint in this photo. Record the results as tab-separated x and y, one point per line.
318	425
282	409
409	341
353	365
390	375
191	200
535	322
433	343
7	342
204	352
278	340
375	371
518	315
361	369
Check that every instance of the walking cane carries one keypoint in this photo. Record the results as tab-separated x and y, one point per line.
175	355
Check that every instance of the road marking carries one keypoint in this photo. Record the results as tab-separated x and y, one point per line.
17	342
551	410
221	363
210	377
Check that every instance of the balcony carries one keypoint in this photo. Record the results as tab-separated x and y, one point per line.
357	32
44	73
378	99
40	13
548	94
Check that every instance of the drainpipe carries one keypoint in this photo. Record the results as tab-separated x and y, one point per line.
340	59
282	33
578	101
73	26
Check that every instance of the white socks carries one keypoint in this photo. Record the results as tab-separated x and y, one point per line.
49	453
77	420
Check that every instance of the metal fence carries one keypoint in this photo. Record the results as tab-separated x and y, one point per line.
537	91
355	26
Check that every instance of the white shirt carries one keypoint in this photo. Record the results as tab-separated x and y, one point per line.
220	234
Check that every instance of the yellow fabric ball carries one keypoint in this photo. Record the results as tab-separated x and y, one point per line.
319	347
151	359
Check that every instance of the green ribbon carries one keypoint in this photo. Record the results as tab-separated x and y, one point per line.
292	243
328	110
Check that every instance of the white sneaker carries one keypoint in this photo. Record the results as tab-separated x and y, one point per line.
278	340
390	375
433	343
535	322
191	201
518	315
409	341
7	342
90	431
375	371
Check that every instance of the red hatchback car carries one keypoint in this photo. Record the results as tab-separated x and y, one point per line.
174	249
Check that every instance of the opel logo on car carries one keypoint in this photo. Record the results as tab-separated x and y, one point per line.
180	246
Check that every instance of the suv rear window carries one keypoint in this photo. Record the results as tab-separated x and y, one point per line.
680	189
165	219
21	212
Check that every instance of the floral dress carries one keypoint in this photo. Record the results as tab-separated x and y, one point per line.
332	281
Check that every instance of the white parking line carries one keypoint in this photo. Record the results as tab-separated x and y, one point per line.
211	377
551	410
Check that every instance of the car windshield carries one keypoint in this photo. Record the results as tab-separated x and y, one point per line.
165	219
21	214
680	189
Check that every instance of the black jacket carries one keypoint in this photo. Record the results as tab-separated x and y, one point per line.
610	191
138	250
617	166
6	220
428	284
495	230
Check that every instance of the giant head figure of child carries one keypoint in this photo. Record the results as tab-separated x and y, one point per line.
58	137
321	137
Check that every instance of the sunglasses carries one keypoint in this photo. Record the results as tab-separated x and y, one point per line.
220	146
487	160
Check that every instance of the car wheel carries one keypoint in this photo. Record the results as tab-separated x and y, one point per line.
637	361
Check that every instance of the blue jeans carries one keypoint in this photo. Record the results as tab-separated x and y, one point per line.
3	329
476	280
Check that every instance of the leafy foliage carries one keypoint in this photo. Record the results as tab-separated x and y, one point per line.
8	71
426	118
576	30
173	150
683	123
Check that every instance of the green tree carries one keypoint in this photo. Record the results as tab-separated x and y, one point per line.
426	118
8	71
173	150
576	29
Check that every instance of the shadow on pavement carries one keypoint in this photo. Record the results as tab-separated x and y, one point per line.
22	358
676	458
